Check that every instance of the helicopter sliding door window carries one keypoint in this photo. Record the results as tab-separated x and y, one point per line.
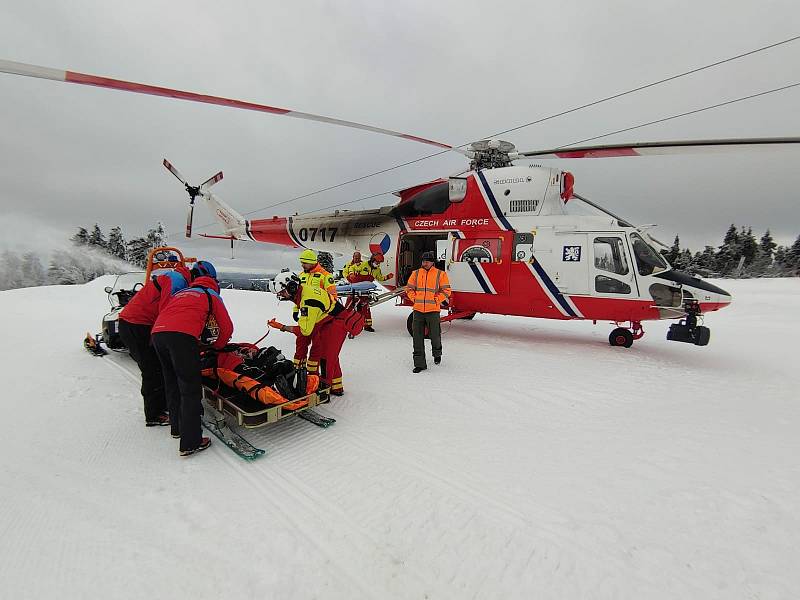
648	261
483	250
610	256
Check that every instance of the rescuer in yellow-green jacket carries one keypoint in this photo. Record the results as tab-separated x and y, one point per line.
369	270
316	321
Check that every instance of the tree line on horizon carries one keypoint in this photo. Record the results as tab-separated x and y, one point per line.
133	251
741	255
90	256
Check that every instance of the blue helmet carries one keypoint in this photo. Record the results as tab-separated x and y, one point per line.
203	267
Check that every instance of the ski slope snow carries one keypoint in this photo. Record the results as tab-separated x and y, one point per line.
535	462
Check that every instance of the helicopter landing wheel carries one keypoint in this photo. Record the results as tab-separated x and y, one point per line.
621	337
410	327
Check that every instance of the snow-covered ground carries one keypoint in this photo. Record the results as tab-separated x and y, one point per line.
535	462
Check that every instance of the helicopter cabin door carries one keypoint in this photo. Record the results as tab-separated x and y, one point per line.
478	262
611	270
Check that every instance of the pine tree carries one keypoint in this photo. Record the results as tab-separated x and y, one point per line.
116	243
81	238
684	260
32	270
780	265
65	270
793	256
767	245
97	238
731	236
137	250
157	237
748	247
729	252
674	251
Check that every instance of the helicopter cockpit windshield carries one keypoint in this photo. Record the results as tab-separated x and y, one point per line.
648	260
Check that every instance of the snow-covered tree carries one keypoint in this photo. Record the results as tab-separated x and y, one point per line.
748	246
729	252
767	245
32	270
157	236
137	250
96	238
65	269
81	238
674	251
116	243
10	271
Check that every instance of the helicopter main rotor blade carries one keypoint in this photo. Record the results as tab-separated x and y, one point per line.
661	148
15	68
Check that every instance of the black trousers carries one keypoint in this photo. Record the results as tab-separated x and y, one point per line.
137	339
180	361
419	322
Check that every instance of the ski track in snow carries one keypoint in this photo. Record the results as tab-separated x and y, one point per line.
536	461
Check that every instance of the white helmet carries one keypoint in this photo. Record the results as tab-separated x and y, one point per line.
285	280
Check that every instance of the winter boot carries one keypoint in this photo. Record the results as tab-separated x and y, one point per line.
160	421
204	443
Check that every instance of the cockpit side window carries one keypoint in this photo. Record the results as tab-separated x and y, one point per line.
609	255
648	261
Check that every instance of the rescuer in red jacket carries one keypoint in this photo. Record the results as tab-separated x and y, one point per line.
135	323
194	316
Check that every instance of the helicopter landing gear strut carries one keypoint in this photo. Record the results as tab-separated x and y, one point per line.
624	336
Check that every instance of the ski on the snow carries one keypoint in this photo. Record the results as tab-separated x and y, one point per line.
316	418
231	439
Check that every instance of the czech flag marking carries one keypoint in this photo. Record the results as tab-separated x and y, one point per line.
379	243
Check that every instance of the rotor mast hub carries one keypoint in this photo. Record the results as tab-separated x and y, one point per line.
491	154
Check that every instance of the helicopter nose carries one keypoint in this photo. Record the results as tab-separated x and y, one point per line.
712	300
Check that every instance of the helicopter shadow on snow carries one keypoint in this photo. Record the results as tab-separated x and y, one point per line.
591	343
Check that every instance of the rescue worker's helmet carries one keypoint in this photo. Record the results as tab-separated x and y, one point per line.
376	257
285	280
308	257
428	256
203	268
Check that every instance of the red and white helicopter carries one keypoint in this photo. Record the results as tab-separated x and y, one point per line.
500	230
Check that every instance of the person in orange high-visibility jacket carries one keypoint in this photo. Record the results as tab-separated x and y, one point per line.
427	288
369	270
321	320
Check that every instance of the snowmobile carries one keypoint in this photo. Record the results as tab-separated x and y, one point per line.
125	287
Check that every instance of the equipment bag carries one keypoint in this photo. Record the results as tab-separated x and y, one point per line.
353	321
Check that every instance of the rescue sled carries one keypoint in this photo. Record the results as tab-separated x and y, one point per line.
247	387
228	409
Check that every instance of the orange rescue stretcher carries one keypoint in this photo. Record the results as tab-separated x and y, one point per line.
254	404
229	396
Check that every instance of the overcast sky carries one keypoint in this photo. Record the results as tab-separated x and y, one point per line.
452	71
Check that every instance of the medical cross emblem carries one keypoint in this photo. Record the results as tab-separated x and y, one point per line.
572	253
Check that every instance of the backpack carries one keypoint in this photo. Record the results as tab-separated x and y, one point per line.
210	331
353	321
